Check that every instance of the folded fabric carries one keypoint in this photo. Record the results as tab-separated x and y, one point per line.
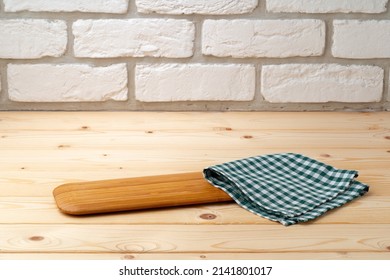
288	188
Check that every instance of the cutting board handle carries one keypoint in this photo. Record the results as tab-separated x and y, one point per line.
136	193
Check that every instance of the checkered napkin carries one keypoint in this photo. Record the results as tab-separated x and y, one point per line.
288	188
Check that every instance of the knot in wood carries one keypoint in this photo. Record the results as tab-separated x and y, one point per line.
128	257
36	238
208	216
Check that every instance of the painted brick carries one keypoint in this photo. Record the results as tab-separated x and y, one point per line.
194	82
206	7
361	39
32	38
388	94
66	82
91	6
263	38
328	6
133	37
321	83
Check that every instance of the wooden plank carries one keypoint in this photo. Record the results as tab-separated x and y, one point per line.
198	256
36	210
261	130
108	121
124	168
204	140
29	238
41	184
149	166
132	156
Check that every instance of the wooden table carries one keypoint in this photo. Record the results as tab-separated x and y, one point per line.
41	150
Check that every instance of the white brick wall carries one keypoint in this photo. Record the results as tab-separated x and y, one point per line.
133	37
92	6
206	7
361	39
32	38
181	82
66	83
272	54
321	83
326	6
263	38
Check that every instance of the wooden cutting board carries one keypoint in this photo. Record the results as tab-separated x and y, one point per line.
136	193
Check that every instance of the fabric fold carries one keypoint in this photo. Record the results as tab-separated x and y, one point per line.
288	188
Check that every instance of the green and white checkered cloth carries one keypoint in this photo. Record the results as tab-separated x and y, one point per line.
288	188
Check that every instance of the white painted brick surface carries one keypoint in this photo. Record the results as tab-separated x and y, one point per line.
134	37
361	39
193	82
92	6
326	6
32	38
263	38
66	83
321	83
206	7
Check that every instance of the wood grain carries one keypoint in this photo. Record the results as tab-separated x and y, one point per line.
137	121
42	210
197	256
193	238
41	150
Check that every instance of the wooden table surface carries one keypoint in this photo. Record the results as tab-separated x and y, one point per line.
41	150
